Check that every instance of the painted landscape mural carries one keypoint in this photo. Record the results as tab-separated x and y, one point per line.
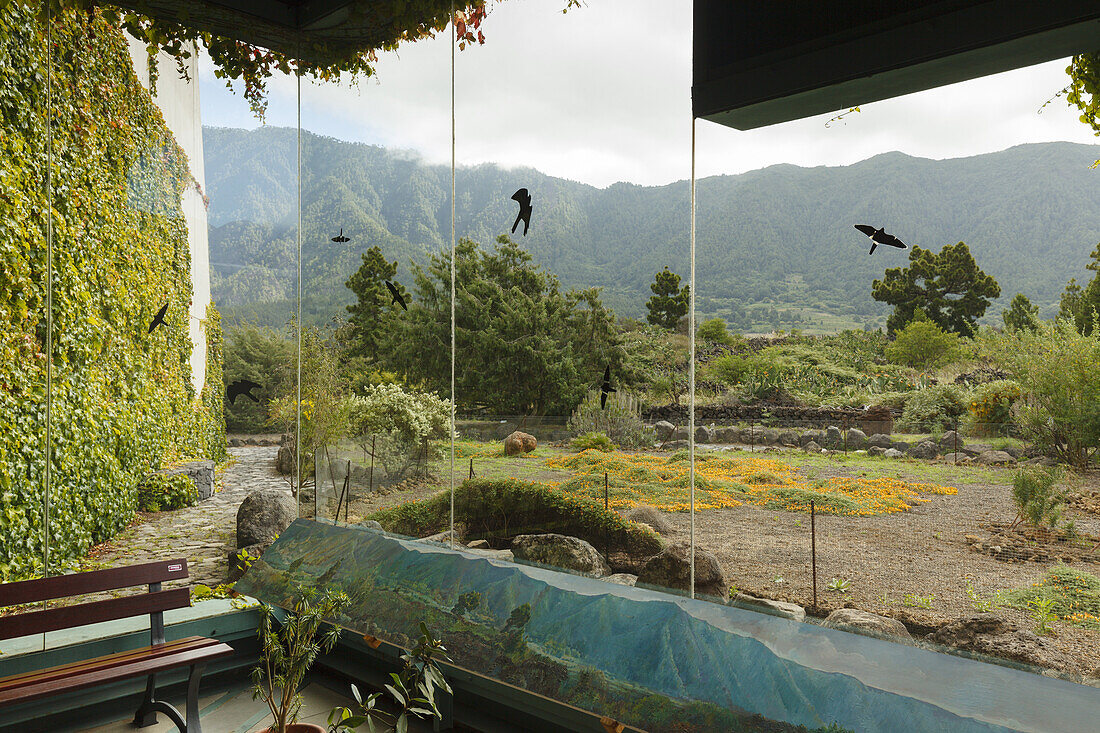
657	661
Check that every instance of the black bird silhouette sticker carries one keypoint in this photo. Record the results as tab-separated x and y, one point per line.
524	199
340	237
158	319
242	387
605	388
396	295
878	236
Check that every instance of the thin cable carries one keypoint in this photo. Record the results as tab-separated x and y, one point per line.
49	294
454	42
298	405
691	368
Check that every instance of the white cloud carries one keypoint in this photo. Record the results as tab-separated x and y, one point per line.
602	94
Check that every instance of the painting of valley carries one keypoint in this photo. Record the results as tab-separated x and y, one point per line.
655	661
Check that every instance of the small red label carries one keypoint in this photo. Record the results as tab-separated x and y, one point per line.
175	568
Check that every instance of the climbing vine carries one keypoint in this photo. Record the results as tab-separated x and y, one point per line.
122	402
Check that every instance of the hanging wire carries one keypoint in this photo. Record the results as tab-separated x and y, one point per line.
454	41
691	368
49	293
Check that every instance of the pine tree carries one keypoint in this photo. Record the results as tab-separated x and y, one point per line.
669	302
1021	314
949	287
374	304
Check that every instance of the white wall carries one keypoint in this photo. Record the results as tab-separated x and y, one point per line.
178	100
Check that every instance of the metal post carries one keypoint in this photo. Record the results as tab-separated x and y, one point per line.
955	450
471	468
752	435
370	480
606	503
845	434
813	547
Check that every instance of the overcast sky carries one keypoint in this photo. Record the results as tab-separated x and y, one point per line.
603	94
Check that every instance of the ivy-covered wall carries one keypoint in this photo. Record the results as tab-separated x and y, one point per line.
122	400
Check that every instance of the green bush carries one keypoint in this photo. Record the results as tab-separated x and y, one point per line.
990	407
620	419
923	345
714	331
1036	497
405	428
161	493
499	509
1073	596
933	408
594	440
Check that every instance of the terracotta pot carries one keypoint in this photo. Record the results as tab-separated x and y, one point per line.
300	728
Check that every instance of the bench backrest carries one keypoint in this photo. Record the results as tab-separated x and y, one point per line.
155	602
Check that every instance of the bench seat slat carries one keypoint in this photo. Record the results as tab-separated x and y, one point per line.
94	581
108	669
67	617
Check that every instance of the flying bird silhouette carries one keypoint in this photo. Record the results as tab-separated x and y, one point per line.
340	237
605	388
396	295
523	198
242	387
878	236
158	319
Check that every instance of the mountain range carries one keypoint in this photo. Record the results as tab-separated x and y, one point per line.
775	245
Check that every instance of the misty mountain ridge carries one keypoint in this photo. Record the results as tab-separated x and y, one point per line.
775	244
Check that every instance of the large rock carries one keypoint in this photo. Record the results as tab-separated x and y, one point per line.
834	439
926	450
664	430
812	447
560	551
950	440
703	434
675	444
986	633
857	439
621	578
976	449
893	453
727	435
263	515
518	443
201	474
672	569
645	514
995	458
853	618
768	436
776	608
285	460
788	438
875	450
680	433
812	436
881	440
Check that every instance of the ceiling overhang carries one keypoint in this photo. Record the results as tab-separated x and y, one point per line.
758	64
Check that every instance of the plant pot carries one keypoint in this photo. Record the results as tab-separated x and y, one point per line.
300	728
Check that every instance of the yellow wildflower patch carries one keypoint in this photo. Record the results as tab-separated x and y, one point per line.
729	481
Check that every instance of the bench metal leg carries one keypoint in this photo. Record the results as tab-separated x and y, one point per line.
146	714
193	724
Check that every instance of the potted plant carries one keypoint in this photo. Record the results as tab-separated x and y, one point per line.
288	652
414	692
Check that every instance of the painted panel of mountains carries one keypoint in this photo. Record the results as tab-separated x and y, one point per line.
657	661
777	238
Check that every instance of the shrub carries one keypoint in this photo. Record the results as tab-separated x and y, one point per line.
1036	498
1073	596
594	440
933	408
990	408
715	331
923	345
500	509
620	420
161	493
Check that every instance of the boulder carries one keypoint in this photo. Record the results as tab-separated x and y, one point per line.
976	449
672	569
812	447
263	515
776	608
645	514
444	537
727	435
768	436
926	450
680	433
750	435
959	457
892	453
621	578
479	545
834	439
986	633
371	524
560	551
948	440
900	445
995	458
853	618
285	460
788	438
816	436
493	554
236	567
664	430
880	440
675	444
518	443
201	474
235	443
857	439
703	434
875	450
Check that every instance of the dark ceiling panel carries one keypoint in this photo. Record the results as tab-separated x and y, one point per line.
758	64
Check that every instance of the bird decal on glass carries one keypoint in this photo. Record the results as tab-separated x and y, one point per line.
158	319
242	387
879	236
340	238
523	198
396	295
605	388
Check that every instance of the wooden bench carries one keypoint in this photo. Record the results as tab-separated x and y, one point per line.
159	656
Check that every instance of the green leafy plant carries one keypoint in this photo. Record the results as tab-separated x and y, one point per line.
1037	498
838	585
287	652
990	407
404	428
620	419
161	493
932	408
1042	613
984	605
914	601
594	440
415	691
1073	596
923	345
